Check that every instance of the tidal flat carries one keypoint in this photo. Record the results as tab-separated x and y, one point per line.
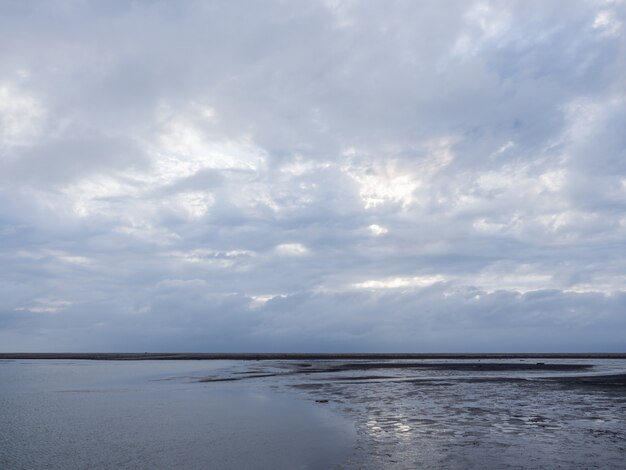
313	411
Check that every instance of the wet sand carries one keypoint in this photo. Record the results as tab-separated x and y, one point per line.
337	367
598	381
336	363
413	410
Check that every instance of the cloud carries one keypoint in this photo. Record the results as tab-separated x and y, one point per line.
323	176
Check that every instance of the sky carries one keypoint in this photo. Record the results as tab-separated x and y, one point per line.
335	176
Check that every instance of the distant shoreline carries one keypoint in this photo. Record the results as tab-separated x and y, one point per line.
151	356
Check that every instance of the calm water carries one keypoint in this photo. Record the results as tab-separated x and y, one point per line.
146	415
315	414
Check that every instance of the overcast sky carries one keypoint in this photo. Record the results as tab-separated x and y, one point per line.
312	175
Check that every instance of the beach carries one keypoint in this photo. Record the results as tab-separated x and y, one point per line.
313	411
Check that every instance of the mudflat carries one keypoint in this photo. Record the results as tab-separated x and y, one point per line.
365	411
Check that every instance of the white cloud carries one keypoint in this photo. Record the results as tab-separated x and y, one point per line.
46	306
194	203
485	21
20	115
606	22
292	249
378	230
399	282
339	174
384	183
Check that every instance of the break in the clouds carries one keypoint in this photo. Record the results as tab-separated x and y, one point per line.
313	176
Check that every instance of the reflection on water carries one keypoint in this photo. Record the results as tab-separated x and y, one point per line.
298	414
447	414
426	418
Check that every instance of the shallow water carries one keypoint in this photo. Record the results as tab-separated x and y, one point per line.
86	414
509	413
455	418
311	414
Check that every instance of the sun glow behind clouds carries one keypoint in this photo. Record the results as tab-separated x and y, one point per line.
386	183
423	155
389	180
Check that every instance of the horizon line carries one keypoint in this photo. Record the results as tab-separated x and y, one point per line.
151	355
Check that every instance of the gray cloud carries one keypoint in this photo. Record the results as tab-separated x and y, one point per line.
326	175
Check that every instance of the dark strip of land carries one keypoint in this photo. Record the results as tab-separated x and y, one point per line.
338	367
304	356
602	381
460	366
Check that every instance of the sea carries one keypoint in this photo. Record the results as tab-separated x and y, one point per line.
521	413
